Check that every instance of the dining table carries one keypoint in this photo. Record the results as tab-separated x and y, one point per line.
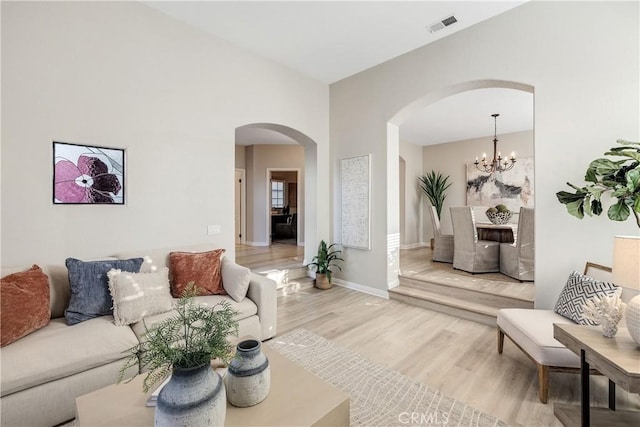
503	233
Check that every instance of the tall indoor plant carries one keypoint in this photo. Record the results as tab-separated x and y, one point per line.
184	346
326	259
435	185
619	178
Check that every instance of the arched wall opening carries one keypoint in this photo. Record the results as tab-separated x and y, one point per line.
394	198
307	213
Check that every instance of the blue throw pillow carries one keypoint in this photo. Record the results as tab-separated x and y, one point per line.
90	296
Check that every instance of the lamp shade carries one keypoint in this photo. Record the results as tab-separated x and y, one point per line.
626	261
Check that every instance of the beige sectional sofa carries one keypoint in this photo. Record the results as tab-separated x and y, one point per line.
43	372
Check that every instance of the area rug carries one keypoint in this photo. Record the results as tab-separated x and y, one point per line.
379	396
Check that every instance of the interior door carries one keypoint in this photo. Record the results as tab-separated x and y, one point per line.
239	206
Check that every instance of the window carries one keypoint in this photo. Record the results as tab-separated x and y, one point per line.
277	194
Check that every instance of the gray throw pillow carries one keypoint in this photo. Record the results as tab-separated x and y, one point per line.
577	291
90	296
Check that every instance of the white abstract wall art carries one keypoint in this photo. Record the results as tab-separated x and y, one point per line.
356	201
513	188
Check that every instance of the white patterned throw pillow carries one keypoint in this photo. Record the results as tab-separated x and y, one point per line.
577	291
137	295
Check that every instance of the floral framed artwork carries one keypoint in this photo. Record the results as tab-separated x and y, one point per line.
87	175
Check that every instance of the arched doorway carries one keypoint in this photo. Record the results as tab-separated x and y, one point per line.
395	199
257	174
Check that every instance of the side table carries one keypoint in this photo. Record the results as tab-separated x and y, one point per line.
616	358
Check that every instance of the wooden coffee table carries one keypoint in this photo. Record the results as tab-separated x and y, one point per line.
297	397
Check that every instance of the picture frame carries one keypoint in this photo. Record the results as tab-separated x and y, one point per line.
513	188
356	202
88	174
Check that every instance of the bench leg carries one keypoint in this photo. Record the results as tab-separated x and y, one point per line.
543	383
500	341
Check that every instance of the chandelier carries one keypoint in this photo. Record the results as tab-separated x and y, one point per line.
497	164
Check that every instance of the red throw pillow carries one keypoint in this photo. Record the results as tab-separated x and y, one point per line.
24	304
202	268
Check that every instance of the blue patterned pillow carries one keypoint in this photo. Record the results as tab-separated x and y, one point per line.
577	291
90	296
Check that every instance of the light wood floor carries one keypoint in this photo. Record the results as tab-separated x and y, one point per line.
416	263
274	256
456	356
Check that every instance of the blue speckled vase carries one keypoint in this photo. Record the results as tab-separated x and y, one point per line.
193	397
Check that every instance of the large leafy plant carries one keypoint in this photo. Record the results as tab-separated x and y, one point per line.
194	336
435	186
619	178
326	259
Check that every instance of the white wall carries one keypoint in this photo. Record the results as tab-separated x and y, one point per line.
586	96
240	155
411	231
123	75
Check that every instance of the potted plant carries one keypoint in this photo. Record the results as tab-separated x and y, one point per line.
326	259
435	185
184	345
619	178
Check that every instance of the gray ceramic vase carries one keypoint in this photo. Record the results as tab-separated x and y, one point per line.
248	378
193	397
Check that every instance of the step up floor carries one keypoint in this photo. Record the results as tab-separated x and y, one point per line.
289	278
469	299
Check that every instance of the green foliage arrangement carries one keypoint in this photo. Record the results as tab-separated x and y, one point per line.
618	178
194	336
435	186
326	259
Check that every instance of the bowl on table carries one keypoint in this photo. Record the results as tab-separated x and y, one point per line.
499	218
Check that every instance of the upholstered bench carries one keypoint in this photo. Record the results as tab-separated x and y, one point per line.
531	330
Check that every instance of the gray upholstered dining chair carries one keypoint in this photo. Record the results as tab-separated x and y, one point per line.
517	259
442	243
469	253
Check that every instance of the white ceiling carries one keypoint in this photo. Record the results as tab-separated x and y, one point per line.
332	40
467	115
254	136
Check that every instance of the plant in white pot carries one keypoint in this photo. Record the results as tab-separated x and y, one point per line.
326	259
435	185
183	346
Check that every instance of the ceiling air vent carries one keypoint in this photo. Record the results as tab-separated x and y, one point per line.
442	23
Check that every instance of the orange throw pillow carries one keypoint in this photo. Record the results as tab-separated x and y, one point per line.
24	304
202	268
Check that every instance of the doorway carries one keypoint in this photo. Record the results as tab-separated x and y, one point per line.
240	206
452	156
260	146
283	205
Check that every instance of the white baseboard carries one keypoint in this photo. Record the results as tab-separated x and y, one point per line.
415	245
256	243
361	288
